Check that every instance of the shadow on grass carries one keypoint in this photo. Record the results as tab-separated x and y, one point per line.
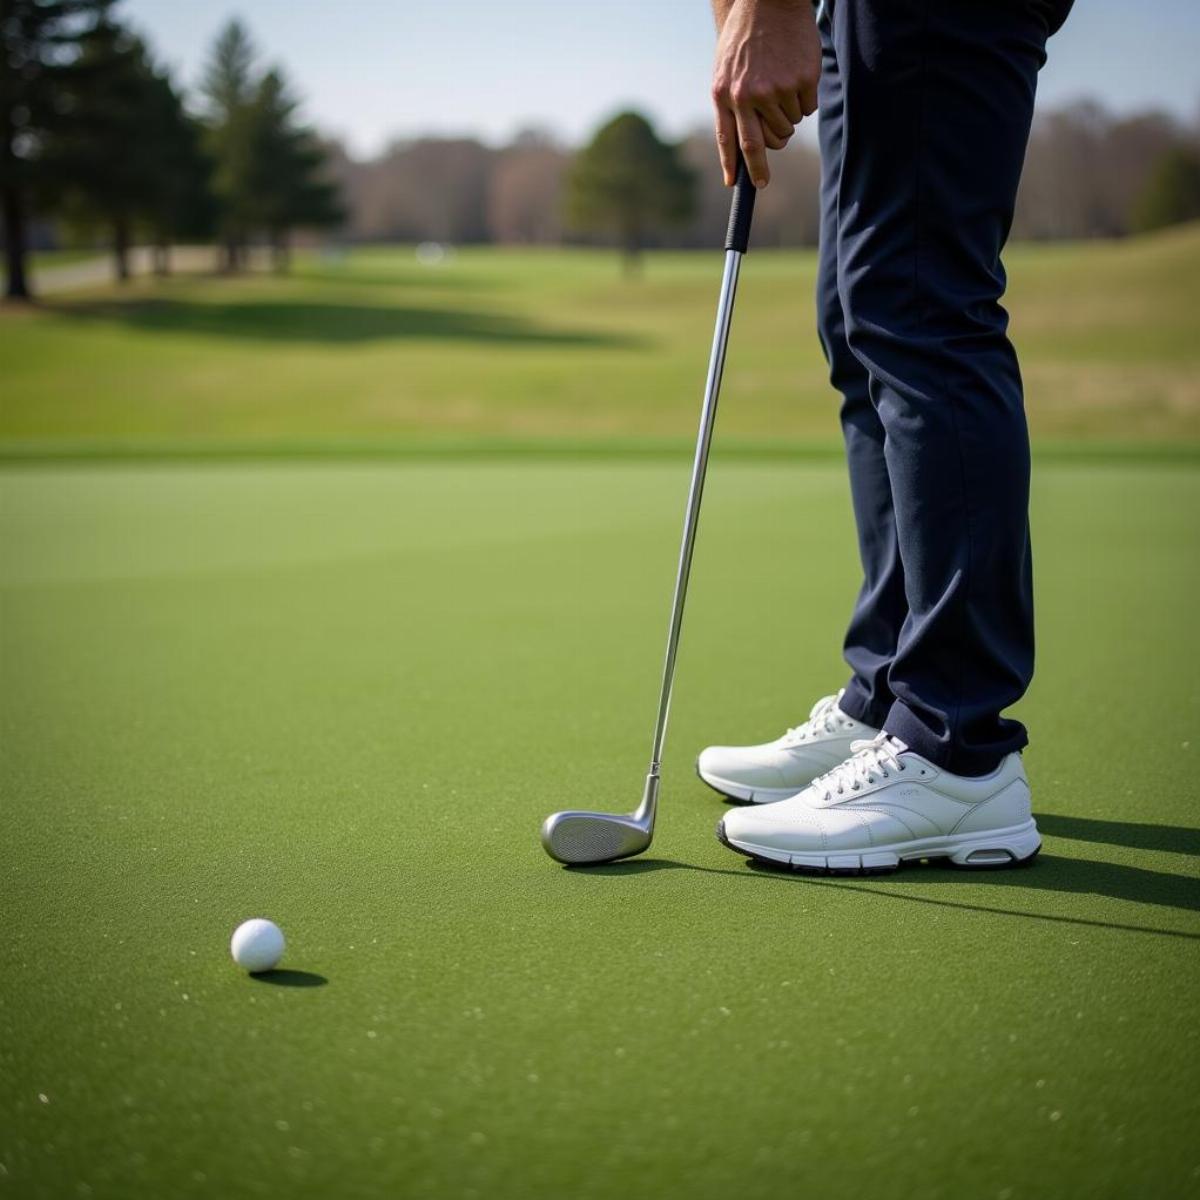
1049	873
283	977
295	321
1178	839
416	279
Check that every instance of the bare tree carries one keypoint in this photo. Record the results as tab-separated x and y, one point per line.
1085	172
525	191
1085	169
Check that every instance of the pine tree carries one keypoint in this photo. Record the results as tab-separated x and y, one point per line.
287	172
181	204
627	182
113	152
230	88
39	49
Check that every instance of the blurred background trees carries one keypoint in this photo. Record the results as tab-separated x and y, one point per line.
99	145
41	42
121	154
628	183
1173	192
95	136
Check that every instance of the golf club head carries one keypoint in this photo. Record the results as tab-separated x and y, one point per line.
578	837
593	837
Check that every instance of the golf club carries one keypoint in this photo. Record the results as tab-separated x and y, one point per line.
595	837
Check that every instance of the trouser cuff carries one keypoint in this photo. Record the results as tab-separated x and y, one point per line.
855	704
903	723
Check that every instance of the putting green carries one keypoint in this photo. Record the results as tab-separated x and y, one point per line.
343	696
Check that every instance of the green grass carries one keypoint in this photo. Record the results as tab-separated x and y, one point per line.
344	695
43	259
557	346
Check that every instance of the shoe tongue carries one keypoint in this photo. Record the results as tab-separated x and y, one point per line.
894	744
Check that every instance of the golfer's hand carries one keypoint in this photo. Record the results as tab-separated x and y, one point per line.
764	81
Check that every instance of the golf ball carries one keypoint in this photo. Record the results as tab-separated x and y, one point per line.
257	945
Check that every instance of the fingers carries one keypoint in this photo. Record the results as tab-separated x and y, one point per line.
789	102
727	141
772	142
808	98
750	138
774	120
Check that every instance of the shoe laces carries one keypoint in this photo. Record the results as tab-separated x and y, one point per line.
869	762
823	718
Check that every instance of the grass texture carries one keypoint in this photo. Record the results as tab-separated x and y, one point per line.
343	695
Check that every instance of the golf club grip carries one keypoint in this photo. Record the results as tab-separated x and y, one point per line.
741	210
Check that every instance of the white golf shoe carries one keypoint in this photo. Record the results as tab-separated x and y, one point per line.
779	769
885	805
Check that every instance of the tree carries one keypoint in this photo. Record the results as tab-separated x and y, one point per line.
628	183
1172	194
230	87
524	191
181	203
287	177
268	168
39	41
124	151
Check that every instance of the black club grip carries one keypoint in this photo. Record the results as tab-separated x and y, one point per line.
741	210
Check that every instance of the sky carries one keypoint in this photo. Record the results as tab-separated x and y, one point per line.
371	71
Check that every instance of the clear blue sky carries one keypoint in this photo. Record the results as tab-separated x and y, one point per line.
378	69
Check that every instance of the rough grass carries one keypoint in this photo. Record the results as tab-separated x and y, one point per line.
557	345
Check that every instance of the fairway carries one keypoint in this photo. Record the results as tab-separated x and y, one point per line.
374	350
344	696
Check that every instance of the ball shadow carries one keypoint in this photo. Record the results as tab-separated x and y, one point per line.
286	978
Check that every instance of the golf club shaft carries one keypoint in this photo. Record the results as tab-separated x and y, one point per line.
712	387
735	246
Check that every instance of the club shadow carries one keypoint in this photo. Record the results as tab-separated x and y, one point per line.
644	866
285	977
1176	839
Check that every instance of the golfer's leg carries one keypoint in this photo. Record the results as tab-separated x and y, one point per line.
880	608
938	98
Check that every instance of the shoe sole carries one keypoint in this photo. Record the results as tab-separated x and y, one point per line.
747	795
994	849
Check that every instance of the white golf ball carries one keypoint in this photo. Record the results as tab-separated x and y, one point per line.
257	945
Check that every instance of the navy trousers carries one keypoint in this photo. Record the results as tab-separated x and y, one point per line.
925	109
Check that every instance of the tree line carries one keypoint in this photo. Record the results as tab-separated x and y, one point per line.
1089	173
96	135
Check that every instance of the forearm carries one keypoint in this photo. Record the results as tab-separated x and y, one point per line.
721	10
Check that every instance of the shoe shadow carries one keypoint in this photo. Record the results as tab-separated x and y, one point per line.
1053	873
1049	873
1176	839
